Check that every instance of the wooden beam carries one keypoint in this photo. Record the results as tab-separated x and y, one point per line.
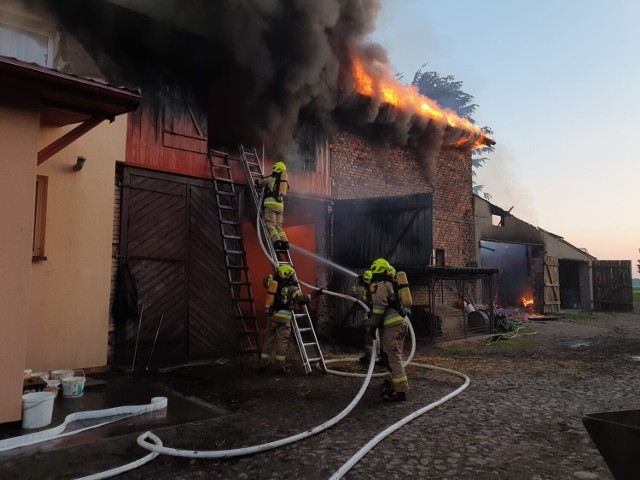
68	138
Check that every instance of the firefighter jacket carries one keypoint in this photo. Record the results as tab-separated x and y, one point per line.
288	295
383	297
271	186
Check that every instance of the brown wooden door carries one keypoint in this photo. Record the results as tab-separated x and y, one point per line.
551	285
612	285
171	239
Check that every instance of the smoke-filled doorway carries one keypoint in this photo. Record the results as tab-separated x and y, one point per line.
516	263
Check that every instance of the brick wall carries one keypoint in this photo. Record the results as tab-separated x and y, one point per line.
360	169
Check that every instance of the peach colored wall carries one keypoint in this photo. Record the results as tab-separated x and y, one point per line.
69	305
18	140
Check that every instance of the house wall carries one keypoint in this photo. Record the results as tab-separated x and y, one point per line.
18	139
69	304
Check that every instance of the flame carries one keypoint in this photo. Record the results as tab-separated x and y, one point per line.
408	98
527	302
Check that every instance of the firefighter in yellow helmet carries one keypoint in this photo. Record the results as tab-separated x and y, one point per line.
275	189
393	327
282	296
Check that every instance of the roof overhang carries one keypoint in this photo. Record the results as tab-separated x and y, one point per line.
66	99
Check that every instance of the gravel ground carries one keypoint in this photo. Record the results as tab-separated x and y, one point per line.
520	418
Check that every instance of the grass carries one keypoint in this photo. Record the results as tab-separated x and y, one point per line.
636	300
514	343
459	352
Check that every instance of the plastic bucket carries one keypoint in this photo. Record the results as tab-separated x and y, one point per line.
37	409
73	387
43	375
60	374
53	386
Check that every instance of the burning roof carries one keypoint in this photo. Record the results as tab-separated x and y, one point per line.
275	64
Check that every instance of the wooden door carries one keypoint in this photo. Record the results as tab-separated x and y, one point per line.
612	285
551	285
171	239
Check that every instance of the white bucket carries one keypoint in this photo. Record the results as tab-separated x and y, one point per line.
60	374
43	375
73	387
37	409
53	386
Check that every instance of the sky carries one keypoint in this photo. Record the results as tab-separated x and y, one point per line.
558	81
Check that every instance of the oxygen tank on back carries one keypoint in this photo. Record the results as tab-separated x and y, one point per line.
272	289
404	293
283	185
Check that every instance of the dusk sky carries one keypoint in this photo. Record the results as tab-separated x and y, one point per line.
559	84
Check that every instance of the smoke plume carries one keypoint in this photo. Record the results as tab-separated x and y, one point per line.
270	66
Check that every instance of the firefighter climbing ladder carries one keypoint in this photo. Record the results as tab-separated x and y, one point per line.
301	324
228	203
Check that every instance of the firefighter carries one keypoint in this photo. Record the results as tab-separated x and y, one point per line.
275	189
361	291
282	295
393	327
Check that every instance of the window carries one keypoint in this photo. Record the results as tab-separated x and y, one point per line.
306	158
27	45
39	218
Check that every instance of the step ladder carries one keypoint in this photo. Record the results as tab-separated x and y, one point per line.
301	324
228	202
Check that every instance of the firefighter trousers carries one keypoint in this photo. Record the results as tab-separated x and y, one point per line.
392	340
276	342
273	218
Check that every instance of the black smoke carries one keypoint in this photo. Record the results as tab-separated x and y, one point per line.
269	66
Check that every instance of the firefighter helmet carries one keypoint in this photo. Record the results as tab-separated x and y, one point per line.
286	271
279	167
379	265
366	276
391	271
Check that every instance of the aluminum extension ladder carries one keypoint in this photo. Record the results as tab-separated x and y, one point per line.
301	324
228	202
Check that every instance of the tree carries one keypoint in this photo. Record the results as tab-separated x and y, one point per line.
447	91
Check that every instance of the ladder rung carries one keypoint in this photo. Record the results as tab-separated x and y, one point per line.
240	283
300	315
304	329
313	360
253	164
234	252
310	344
225	207
237	267
225	192
226	180
229	222
232	237
220	165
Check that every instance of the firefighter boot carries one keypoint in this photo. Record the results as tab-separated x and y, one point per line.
387	387
394	397
285	245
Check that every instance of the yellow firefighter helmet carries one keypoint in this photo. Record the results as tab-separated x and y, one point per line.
379	265
366	276
286	271
279	167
